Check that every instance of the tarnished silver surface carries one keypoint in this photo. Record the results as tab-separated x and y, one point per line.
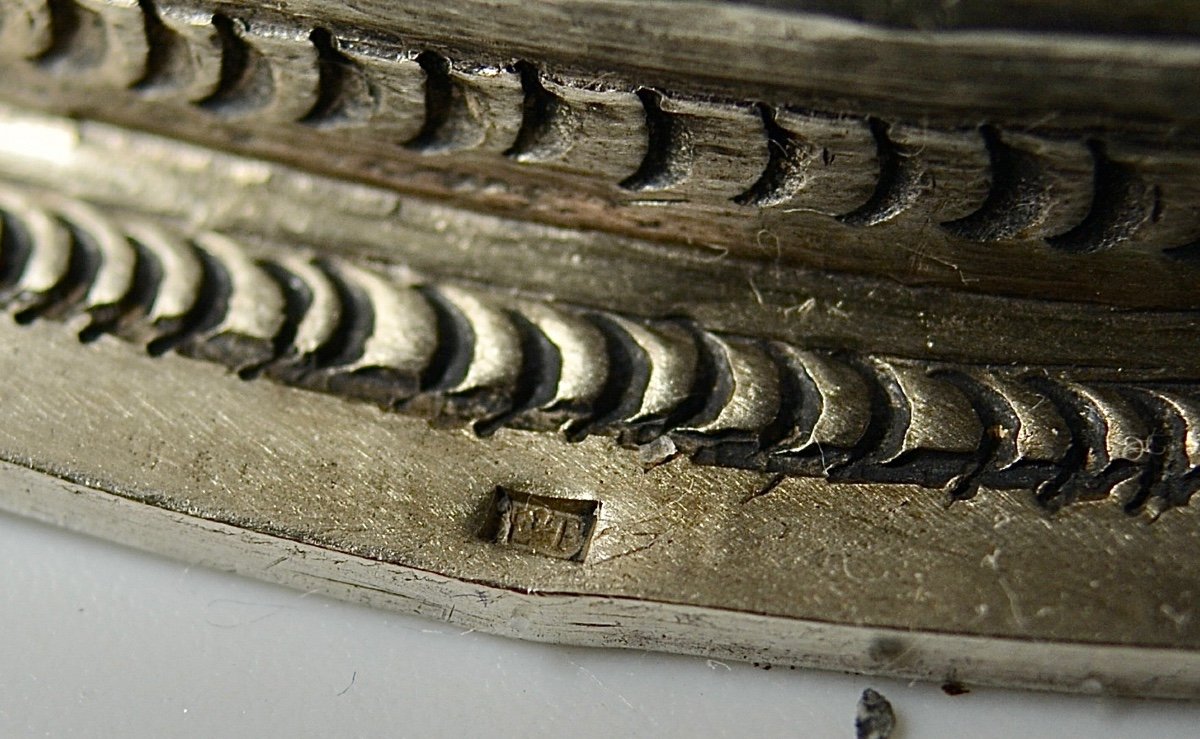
637	338
297	487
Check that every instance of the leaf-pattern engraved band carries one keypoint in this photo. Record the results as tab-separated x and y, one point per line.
666	387
1078	194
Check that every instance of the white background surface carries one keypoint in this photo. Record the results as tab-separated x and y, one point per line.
99	640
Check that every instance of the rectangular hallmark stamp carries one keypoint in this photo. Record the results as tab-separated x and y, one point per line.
542	524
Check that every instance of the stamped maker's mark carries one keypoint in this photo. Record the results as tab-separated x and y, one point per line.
542	524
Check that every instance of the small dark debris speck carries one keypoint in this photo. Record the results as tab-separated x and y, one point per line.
875	718
953	687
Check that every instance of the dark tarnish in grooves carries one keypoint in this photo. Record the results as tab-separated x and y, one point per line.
442	350
699	150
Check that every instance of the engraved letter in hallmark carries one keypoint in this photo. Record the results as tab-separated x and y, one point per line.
542	524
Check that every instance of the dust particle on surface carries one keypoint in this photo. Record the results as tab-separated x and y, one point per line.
875	718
